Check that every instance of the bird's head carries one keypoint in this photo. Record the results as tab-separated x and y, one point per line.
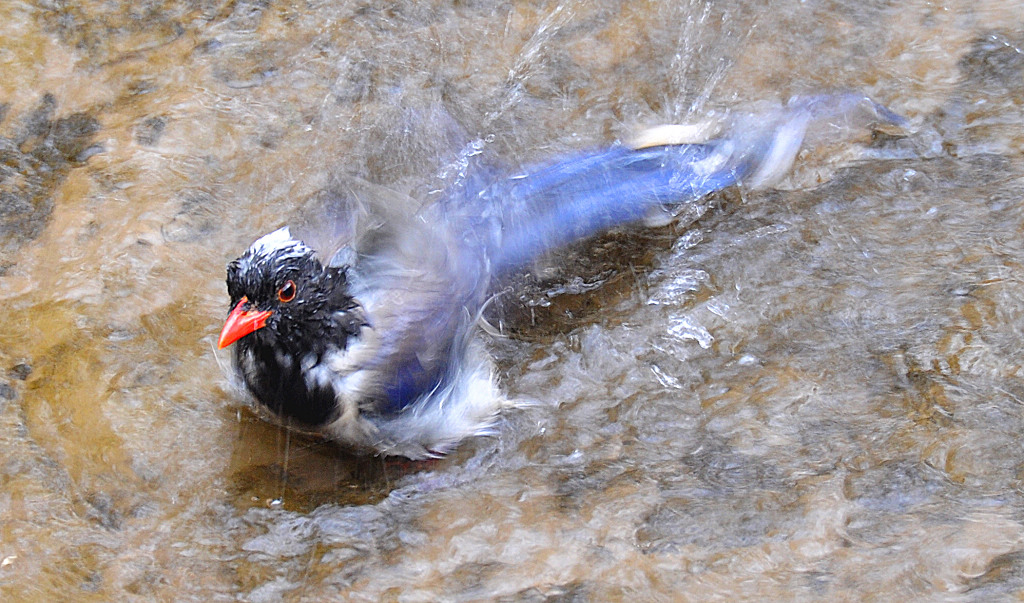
282	295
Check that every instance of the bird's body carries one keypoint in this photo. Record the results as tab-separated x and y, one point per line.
375	346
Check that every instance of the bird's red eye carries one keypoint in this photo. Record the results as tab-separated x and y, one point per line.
287	292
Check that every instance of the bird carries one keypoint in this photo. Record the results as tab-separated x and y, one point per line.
377	347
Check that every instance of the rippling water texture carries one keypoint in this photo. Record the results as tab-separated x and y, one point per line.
814	392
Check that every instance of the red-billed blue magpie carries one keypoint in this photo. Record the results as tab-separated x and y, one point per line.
375	345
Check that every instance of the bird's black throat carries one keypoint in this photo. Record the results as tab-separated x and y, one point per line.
276	380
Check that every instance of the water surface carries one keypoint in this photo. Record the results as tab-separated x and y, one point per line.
810	393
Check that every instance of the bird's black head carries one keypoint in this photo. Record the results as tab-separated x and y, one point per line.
283	297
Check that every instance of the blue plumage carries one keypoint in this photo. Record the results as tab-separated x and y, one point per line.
376	348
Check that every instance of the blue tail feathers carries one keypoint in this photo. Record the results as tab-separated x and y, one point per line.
590	193
556	204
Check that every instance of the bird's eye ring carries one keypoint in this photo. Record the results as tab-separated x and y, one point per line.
287	291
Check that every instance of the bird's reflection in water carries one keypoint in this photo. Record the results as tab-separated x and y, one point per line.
272	466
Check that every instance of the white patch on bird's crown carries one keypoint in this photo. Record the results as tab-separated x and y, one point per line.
279	243
269	242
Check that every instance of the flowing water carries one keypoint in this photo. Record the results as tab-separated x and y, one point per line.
811	393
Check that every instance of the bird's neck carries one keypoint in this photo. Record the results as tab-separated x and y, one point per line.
282	381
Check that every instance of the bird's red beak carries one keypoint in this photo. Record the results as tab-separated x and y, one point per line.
240	323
